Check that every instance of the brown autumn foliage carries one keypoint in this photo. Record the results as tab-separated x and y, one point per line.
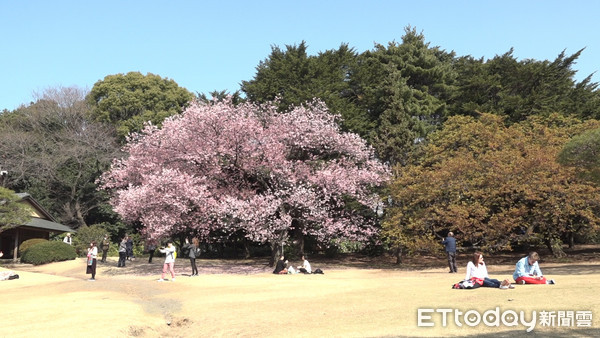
496	186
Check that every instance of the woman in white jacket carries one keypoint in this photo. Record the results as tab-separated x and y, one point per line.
305	267
92	254
476	269
169	252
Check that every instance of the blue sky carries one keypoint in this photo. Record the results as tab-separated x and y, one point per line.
214	45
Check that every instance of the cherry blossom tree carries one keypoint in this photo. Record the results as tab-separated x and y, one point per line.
247	168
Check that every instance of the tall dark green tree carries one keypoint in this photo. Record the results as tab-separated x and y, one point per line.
284	75
130	100
518	89
413	87
392	95
220	96
293	77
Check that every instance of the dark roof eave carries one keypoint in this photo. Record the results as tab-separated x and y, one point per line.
39	223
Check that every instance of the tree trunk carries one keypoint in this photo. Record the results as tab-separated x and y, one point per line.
246	244
79	215
398	255
571	240
555	246
276	252
299	240
235	248
277	248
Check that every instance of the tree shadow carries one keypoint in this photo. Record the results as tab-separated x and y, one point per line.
183	267
577	332
560	270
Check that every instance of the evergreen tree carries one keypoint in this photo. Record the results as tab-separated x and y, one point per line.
12	213
415	85
518	89
129	100
292	77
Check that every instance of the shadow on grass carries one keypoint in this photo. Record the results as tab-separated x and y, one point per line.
588	253
583	255
260	265
183	267
579	332
568	269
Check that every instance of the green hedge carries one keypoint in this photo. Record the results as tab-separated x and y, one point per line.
29	243
48	252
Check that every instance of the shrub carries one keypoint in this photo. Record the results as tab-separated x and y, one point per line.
29	243
50	251
85	235
138	245
113	250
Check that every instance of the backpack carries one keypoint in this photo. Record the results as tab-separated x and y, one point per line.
318	271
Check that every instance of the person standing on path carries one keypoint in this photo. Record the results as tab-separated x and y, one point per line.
105	247
150	247
450	243
129	249
169	252
194	252
122	252
92	254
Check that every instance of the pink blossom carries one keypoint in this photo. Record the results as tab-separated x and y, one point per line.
247	168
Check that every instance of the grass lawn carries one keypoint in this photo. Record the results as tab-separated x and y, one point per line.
242	298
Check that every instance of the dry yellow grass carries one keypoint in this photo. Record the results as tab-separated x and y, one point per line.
56	300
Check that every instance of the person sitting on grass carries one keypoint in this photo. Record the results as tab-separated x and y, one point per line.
477	270
527	271
281	266
305	268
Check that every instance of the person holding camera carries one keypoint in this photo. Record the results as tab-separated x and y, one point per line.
169	252
193	253
122	252
105	246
